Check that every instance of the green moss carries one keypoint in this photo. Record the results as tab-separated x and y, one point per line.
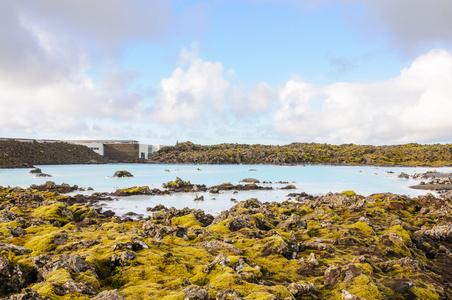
362	286
79	211
428	291
398	229
187	221
363	227
250	273
53	212
16	210
226	279
88	276
44	243
41	229
45	289
59	276
175	296
348	193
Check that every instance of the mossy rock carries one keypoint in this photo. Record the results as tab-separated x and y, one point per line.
398	229
122	173
363	227
43	243
54	212
220	228
186	221
348	193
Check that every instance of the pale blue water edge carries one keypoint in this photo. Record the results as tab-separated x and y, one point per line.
364	180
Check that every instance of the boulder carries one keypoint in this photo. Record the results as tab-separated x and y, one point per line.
12	278
294	222
221	259
228	294
69	287
45	265
347	296
217	246
17	250
109	295
250	180
331	276
27	294
301	289
289	187
122	173
36	171
17	231
196	293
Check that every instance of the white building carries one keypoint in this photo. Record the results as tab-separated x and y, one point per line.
144	151
96	146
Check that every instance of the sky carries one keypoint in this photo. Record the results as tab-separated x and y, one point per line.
227	71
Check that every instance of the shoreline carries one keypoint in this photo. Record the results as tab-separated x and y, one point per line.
314	247
231	164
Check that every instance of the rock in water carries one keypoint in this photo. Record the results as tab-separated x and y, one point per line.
43	175
122	173
250	180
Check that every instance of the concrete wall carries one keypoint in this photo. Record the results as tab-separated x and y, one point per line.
145	151
155	148
121	152
96	147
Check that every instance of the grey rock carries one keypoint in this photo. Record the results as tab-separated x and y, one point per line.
109	295
195	293
228	294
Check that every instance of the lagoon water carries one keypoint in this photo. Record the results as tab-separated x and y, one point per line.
311	179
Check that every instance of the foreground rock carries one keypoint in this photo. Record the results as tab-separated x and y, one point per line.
336	246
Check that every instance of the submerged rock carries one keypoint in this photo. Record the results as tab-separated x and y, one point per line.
43	175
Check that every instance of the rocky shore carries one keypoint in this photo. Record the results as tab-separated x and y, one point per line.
336	246
431	180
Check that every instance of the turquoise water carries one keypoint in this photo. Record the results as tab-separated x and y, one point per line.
364	180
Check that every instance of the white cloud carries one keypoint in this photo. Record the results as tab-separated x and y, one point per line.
413	107
49	46
190	96
409	25
253	102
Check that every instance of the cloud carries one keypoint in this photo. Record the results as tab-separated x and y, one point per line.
190	96
48	47
254	101
413	107
409	25
105	25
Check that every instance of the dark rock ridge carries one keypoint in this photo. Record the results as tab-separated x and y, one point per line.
14	154
340	245
307	153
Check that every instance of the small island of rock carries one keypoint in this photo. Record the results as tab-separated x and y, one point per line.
123	173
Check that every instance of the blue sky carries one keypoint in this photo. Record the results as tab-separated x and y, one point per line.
256	71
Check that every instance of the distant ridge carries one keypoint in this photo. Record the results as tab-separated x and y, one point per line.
308	153
26	153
